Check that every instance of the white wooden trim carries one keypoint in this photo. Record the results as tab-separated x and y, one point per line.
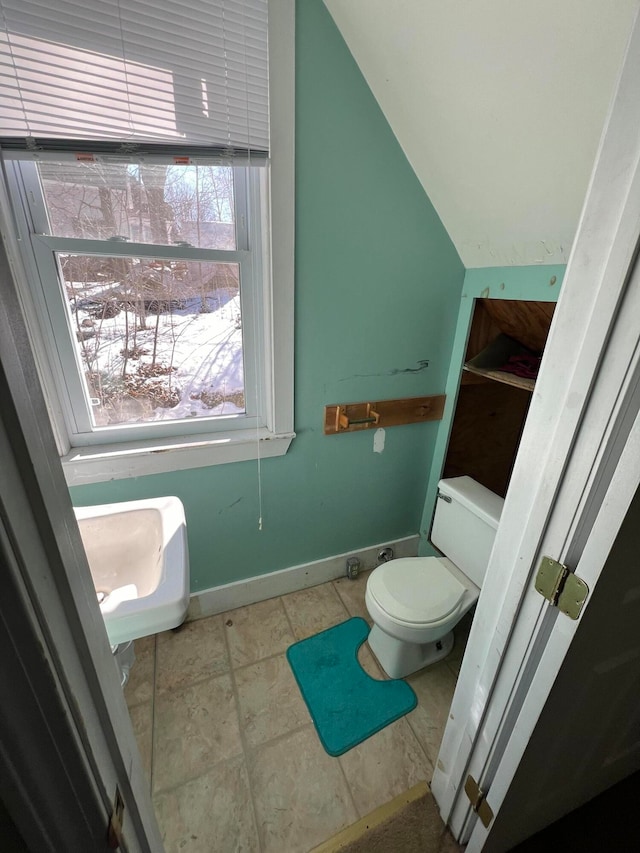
228	596
96	464
564	464
51	567
587	493
620	493
277	324
12	237
280	323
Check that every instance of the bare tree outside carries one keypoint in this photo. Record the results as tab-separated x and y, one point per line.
156	338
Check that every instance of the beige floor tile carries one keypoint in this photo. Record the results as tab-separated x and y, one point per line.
352	594
384	766
142	722
434	688
139	687
195	727
257	631
270	701
196	651
209	814
300	793
313	610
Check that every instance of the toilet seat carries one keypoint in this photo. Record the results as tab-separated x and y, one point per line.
416	591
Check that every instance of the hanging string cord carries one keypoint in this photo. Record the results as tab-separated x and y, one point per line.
225	55
257	338
257	314
132	129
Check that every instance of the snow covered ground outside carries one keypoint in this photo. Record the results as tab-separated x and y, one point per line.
205	350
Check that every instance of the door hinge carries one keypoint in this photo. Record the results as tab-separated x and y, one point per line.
478	800
114	829
561	587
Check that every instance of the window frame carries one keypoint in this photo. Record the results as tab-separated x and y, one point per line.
24	184
180	450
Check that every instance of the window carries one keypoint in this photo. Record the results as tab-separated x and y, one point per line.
148	278
160	303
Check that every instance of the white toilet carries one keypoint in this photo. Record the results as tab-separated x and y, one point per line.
415	602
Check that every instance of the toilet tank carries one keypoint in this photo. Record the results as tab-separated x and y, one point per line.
465	523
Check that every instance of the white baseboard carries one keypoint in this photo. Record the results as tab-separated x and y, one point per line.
219	599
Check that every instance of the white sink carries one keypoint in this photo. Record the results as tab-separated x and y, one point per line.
137	553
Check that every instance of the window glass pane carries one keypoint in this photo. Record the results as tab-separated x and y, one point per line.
144	203
156	339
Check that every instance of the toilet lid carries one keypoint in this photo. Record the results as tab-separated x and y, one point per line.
418	590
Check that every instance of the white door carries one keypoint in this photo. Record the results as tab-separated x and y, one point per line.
560	502
66	740
579	733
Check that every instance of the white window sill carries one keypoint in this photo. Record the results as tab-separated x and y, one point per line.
83	465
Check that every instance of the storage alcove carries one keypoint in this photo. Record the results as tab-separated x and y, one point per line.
492	404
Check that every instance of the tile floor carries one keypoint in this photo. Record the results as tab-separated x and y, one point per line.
232	757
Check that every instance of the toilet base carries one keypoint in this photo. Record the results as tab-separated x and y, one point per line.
399	659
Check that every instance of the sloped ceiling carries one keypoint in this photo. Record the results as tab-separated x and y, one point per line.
498	105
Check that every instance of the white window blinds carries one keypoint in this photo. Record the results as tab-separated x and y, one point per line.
166	72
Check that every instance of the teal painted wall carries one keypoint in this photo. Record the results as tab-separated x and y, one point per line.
378	285
541	283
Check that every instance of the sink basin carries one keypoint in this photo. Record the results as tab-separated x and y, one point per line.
137	554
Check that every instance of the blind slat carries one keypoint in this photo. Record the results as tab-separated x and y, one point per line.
191	72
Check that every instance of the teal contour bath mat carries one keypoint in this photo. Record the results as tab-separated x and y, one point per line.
346	704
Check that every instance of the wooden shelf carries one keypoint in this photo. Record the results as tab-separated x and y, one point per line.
502	376
487	363
353	417
492	403
469	378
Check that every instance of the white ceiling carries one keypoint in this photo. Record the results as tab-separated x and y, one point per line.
498	106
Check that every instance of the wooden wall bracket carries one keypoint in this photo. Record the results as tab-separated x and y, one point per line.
351	417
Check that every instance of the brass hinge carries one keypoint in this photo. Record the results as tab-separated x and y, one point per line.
114	829
478	800
561	587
